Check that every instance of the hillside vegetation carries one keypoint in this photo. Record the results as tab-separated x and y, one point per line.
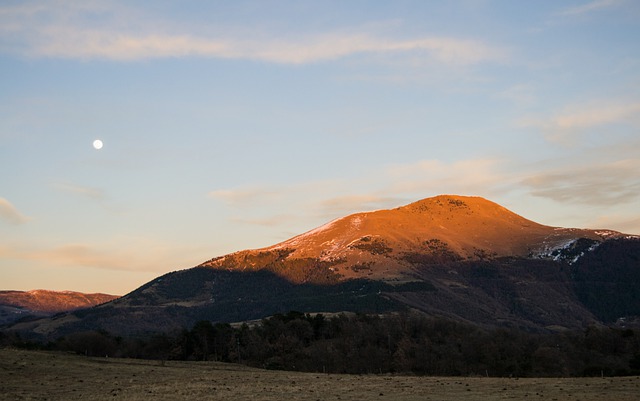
365	344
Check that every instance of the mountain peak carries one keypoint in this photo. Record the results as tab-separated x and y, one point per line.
380	244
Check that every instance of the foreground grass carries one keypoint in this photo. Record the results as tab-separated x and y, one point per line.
37	375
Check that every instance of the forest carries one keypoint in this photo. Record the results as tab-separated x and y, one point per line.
407	343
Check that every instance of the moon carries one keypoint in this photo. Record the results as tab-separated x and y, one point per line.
97	144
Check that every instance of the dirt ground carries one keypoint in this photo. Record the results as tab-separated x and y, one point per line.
36	375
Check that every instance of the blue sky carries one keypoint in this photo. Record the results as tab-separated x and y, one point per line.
236	125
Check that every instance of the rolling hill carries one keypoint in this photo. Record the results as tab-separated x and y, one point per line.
15	305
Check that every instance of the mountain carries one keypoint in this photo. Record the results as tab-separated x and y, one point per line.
386	244
15	305
465	258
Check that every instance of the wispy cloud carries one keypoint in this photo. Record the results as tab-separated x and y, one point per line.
71	33
84	256
10	214
567	126
407	182
618	222
474	176
83	191
65	43
611	182
267	221
240	196
522	94
357	203
596	184
93	195
596	115
588	7
123	255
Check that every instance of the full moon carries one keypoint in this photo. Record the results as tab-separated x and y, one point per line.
97	144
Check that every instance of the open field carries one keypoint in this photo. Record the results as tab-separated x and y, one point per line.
36	375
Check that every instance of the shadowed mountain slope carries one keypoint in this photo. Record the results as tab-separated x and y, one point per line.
464	258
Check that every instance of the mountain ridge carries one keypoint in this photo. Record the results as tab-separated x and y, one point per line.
462	258
453	227
16	304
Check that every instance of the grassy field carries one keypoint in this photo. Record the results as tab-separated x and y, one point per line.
36	375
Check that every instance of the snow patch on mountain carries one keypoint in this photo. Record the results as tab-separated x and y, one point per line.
300	239
331	248
569	250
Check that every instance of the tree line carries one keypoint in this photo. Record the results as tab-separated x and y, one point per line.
373	344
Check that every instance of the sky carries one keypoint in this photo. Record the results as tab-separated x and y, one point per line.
232	125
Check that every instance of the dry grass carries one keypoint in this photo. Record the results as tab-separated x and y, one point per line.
34	375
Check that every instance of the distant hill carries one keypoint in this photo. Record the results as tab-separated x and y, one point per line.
464	258
15	305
